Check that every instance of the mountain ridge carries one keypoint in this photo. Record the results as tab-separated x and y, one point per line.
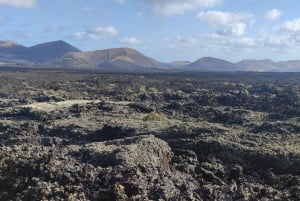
13	52
8	43
54	50
114	57
60	54
211	64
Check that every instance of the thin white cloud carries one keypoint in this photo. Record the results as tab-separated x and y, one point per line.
230	23
223	18
19	3
273	14
179	7
231	43
243	42
289	26
130	40
22	34
88	9
53	28
281	41
4	20
181	42
97	33
285	37
139	13
276	41
237	29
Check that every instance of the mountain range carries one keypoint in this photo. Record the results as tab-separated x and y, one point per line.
60	54
11	51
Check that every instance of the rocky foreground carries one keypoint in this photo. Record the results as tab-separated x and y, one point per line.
80	136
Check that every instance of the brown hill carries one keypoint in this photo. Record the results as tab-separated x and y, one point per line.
47	51
268	65
211	64
115	57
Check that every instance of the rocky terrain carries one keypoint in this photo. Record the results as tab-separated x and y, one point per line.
200	136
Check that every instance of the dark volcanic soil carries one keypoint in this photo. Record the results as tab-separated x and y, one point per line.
206	136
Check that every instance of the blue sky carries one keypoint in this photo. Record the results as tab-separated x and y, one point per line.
166	30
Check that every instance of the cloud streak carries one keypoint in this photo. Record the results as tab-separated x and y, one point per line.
175	7
19	3
98	33
130	40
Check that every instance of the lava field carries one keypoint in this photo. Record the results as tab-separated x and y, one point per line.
78	136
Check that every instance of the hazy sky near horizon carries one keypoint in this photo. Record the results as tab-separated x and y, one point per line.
166	30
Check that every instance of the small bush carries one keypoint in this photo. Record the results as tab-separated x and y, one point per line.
154	116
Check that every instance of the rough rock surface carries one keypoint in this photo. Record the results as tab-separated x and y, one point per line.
209	136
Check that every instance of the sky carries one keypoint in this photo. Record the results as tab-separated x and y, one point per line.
167	30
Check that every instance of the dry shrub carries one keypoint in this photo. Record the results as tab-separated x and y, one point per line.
154	116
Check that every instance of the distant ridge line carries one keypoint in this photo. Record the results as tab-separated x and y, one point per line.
60	54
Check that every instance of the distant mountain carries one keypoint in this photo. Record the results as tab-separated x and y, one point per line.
48	51
12	52
179	63
11	47
258	65
267	65
118	58
60	54
211	64
289	66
